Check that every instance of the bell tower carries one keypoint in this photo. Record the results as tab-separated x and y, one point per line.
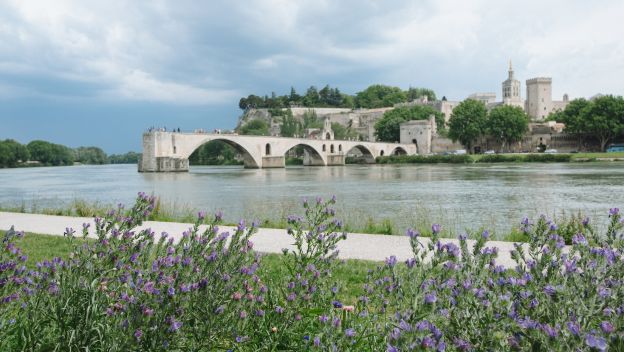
511	89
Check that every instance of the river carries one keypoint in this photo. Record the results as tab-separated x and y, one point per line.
494	196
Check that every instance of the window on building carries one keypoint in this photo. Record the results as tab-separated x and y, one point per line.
324	147
331	148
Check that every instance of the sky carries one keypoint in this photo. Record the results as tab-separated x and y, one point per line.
99	73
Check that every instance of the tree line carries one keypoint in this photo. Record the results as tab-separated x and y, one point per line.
375	96
14	154
471	121
387	129
600	119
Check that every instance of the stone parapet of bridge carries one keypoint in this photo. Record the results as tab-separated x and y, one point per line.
170	151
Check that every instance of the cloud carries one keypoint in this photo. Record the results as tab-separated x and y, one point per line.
184	53
119	46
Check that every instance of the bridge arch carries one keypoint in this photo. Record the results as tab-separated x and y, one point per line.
250	159
311	155
398	151
366	154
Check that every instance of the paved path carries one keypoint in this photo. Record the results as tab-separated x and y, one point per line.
356	246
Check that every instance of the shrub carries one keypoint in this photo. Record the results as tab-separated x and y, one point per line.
129	289
424	159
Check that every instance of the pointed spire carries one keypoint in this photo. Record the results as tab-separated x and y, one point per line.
510	69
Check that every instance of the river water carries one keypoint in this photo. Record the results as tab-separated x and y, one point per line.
494	196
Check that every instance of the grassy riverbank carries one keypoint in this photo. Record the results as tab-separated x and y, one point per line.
499	158
354	222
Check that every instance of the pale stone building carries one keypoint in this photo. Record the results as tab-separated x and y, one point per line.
511	89
539	103
487	98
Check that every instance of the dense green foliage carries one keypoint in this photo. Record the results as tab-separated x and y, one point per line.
215	153
468	122
90	155
375	96
290	127
255	127
14	154
424	159
50	154
464	158
387	128
601	118
127	158
343	133
507	124
326	97
129	289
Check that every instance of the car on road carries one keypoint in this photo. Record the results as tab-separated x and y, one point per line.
489	152
460	152
613	148
551	151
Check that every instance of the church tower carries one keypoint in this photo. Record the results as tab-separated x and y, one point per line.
511	89
327	132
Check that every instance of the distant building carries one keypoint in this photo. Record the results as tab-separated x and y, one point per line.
486	98
511	89
539	103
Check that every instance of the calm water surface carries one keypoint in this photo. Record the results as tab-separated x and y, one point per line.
458	196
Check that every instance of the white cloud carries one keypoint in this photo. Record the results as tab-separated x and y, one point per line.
181	52
116	45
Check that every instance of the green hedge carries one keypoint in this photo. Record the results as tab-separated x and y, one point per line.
425	159
467	159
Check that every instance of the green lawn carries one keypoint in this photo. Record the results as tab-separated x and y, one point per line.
350	273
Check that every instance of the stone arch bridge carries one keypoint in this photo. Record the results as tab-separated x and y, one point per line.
169	151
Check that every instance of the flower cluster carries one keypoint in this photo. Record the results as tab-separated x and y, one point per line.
128	288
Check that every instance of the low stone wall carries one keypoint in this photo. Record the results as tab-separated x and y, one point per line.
444	145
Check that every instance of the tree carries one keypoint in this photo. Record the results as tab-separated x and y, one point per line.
387	129
290	126
12	152
378	96
311	98
255	127
50	154
127	158
603	118
294	97
468	122
415	93
342	132
310	120
507	124
90	155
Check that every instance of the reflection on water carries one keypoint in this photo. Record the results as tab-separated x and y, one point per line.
459	196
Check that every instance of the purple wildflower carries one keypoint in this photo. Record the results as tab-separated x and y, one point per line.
606	327
436	228
391	261
316	341
430	298
574	327
349	332
596	342
138	334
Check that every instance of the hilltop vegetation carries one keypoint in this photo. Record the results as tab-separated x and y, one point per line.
375	96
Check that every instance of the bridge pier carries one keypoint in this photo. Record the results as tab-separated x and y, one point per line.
273	162
335	160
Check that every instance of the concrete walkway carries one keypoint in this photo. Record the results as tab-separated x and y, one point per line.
356	246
